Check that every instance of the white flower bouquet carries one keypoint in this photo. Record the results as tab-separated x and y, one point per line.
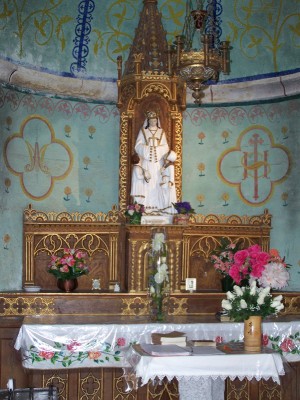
243	302
158	274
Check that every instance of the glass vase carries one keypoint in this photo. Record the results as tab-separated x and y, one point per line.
158	303
158	276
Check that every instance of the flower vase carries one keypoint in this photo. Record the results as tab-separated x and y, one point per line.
252	333
181	219
158	303
67	285
158	276
135	219
227	283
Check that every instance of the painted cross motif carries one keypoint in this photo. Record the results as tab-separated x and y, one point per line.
37	157
255	165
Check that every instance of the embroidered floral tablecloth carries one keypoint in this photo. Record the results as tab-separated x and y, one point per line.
55	343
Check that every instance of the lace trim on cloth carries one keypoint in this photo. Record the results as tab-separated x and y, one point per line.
194	379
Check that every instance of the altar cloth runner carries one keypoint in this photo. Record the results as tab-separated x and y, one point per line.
63	342
195	367
202	375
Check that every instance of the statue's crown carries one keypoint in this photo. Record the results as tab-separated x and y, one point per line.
151	114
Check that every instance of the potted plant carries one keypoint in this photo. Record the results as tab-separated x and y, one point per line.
134	213
184	210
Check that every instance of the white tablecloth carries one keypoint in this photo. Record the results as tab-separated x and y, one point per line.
201	375
184	368
61	342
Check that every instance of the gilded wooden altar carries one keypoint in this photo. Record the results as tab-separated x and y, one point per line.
118	252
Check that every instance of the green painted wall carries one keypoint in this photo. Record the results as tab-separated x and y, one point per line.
264	35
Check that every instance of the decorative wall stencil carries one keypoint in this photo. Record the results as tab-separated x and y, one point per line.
255	165
214	21
37	157
284	198
259	28
81	41
200	198
6	240
67	109
201	137
45	24
7	184
238	115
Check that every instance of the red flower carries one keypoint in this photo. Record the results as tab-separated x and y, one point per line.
73	346
46	354
287	345
241	256
121	341
219	339
265	340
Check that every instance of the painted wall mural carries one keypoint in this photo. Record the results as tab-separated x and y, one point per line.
88	36
85	136
255	165
263	28
37	157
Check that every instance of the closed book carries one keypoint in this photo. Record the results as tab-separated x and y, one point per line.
198	343
166	340
167	350
170	337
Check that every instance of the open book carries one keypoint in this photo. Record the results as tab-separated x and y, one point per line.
166	350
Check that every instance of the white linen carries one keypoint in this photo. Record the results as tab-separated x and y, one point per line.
50	343
184	368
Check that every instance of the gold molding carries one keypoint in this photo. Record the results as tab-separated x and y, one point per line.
135	306
20	306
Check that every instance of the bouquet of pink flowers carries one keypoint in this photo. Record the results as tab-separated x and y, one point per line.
268	269
134	212
223	258
70	265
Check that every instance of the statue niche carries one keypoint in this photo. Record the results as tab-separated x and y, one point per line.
152	176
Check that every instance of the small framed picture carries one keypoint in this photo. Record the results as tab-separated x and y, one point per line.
190	284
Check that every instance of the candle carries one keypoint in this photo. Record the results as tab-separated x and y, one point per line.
10	384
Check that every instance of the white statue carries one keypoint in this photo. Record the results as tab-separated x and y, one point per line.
168	181
147	185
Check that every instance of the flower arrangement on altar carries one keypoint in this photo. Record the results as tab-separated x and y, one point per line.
244	302
183	207
223	257
134	212
269	269
158	275
70	265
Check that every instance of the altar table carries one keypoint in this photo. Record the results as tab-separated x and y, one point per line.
63	342
202	374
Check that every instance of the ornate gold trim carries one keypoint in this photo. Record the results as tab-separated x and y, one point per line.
32	215
26	306
135	306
